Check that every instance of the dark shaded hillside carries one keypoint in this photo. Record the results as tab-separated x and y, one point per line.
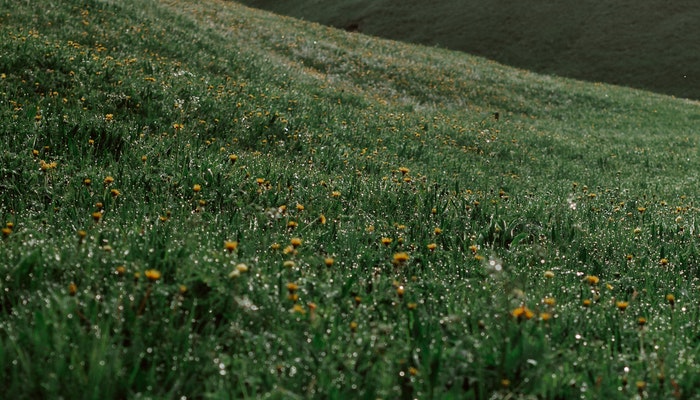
647	44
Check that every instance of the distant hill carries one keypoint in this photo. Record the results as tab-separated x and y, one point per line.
647	44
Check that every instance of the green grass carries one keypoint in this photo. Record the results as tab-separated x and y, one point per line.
644	44
394	239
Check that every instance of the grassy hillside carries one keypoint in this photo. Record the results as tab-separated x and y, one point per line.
202	200
647	44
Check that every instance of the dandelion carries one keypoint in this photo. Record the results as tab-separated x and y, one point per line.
641	209
592	280
400	291
637	231
108	180
296	242
97	216
152	275
289	250
413	371
292	224
438	231
432	246
87	182
404	170
671	299
298	309
300	207
358	300
322	219
587	303
353	326
335	194
72	289
275	246
641	321
663	261
197	188
522	313
622	305
234	274
109	117
386	241
144	158
545	316
115	193
182	289
474	248
120	270
6	232
47	166
230	246
549	274
400	258
550	301
411	306
232	158
289	264
242	267
81	235
329	262
629	257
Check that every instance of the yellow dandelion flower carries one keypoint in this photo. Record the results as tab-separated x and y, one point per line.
72	289
400	291
329	262
663	261
522	313
81	235
230	246
545	316
298	309
412	306
296	242
549	274
233	158
109	117
115	193
120	270
87	181
386	241
197	187
275	246
6	231
671	299
358	300
400	258
641	321
413	371
292	224
335	194
550	301
587	303
322	219
353	326
240	267
289	264
288	250
108	180
144	158
592	280
300	207
97	216
404	170
474	248
432	246
622	305
152	275
292	287
182	289
641	209
438	231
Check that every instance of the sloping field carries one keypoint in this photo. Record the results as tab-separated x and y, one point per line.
203	200
649	44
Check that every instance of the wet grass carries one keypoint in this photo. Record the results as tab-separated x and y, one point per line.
207	201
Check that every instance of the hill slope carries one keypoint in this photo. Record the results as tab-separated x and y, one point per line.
647	44
204	200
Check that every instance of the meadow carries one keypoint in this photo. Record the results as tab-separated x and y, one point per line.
645	44
202	200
